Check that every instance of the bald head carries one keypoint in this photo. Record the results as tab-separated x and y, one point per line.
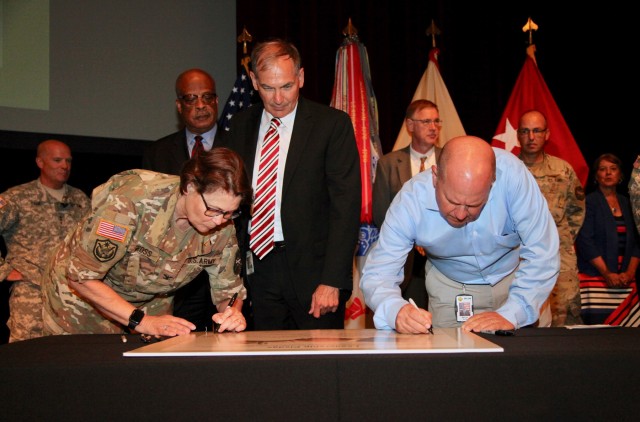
463	178
54	160
467	158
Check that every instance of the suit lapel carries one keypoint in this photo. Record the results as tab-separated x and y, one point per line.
301	134
404	166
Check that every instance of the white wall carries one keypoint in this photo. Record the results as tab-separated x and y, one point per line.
113	64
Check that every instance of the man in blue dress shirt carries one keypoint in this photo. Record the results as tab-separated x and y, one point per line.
491	242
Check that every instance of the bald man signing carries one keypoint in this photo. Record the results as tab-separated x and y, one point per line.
491	241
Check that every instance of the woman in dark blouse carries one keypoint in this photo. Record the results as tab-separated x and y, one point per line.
608	251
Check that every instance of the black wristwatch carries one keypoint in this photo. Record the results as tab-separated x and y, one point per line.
136	318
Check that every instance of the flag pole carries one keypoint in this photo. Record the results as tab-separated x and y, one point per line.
432	31
242	94
244	38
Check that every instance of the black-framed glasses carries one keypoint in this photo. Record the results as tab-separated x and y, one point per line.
215	212
536	132
191	99
428	122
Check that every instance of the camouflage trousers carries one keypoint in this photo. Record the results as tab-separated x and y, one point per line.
565	300
25	311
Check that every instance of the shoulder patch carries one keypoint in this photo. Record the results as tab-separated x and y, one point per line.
111	230
104	250
237	265
2	202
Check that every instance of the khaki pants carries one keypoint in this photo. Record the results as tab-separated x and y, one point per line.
443	291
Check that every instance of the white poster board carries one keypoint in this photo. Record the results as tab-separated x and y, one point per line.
317	342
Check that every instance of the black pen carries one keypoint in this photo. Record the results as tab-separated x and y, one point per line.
216	326
504	333
232	300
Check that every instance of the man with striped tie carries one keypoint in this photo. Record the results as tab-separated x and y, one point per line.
300	237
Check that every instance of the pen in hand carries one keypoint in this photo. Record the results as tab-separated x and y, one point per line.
216	326
411	301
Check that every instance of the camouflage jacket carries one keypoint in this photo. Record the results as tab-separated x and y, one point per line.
561	188
33	222
130	242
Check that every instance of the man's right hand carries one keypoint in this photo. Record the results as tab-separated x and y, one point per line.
412	320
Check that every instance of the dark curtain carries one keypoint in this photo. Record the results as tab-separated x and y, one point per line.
584	54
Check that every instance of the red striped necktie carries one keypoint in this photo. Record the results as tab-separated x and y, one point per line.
197	147
264	207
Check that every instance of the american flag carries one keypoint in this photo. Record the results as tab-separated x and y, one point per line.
242	95
112	231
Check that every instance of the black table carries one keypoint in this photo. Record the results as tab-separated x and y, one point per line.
543	373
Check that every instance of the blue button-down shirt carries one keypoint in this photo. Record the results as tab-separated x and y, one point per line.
514	230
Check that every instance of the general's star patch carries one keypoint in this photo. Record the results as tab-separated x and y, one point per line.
104	250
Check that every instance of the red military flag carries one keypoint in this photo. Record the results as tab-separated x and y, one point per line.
531	92
353	94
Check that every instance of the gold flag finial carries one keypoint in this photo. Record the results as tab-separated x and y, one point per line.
350	31
244	38
433	30
530	27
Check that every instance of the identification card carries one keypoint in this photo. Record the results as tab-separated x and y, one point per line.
249	262
464	307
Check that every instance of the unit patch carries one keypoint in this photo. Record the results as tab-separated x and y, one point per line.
104	250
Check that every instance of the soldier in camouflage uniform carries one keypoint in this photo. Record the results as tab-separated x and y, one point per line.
149	234
634	192
34	218
565	197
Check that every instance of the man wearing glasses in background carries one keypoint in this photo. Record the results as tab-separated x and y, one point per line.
423	123
561	188
197	105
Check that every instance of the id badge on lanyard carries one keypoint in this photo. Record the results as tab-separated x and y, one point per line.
464	306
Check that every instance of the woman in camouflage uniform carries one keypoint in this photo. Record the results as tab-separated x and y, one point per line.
148	235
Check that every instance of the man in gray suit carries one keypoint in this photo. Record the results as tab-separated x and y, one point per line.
423	124
304	280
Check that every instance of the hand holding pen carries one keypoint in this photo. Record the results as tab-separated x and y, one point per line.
430	329
237	321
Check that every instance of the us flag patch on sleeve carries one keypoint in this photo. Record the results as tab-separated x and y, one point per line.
112	231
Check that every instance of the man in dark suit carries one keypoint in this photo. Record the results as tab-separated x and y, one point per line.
304	280
197	105
423	124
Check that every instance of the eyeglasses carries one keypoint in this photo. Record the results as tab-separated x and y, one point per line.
191	99
215	212
428	122
536	131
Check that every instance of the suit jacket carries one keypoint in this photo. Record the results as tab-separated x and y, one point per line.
392	171
599	236
168	154
321	195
